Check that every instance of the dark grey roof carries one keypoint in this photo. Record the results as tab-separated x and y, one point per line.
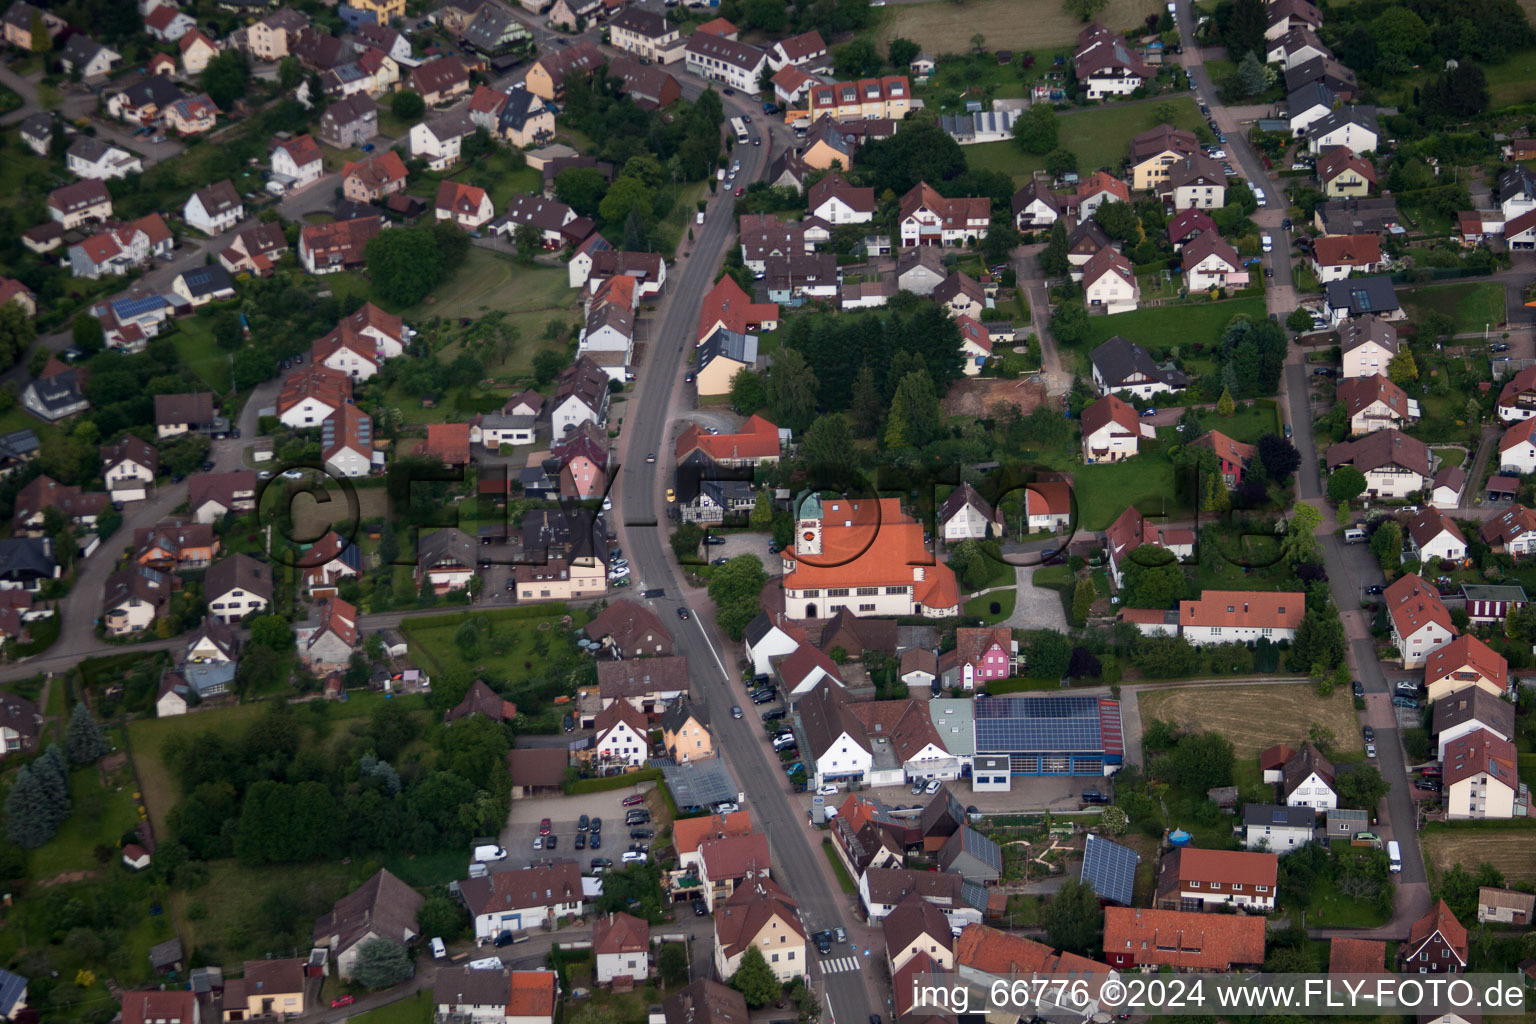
1517	181
59	392
967	841
1475	704
12	988
156	89
1361	295
678	714
1275	814
1117	359
741	348
449	546
38	126
757	629
165	954
520	106
18	444
488	32
80	49
1318	69
207	280
1308	96
1365	117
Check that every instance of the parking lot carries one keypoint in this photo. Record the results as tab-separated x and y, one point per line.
745	544
564	812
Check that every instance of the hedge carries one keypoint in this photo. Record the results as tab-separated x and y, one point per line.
612	782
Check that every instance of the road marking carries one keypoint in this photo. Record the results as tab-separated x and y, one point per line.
840	965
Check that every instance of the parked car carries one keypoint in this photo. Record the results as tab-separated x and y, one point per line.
735	710
340	1001
1093	796
1406	687
581	841
1368	733
552	842
917	787
597	824
699	909
1498	346
934	785
1405	702
682	613
583	823
545	827
1370	750
642	833
1357	688
826	790
632	800
714	538
1374	590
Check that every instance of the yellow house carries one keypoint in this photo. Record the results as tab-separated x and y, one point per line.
685	735
760	913
1344	175
1462	664
827	147
1154	152
559	580
270	989
720	356
387	10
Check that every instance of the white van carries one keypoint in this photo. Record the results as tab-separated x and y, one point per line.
489	963
698	218
1258	195
439	951
1395	855
1354	535
484	853
1267	242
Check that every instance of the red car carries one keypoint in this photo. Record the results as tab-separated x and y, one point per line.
544	827
634	800
740	192
343	1001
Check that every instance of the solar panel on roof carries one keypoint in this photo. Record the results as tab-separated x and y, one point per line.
1110	868
1362	300
1039	723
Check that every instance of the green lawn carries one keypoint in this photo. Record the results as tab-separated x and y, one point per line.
1249	422
1103	491
1472	305
1450	457
535	646
1513	81
1100	136
196	349
415	1009
981	607
1172	325
837	867
99	817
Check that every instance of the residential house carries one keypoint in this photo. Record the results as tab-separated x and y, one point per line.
889	98
175	546
985	956
1195	182
211	496
1182	940
337	246
1463	664
720	357
78	507
1105	65
550	216
312	394
197	50
1504	906
1121	366
1196	880
1100	188
621	947
1034	207
467	206
1277	828
980	656
837	533
192	115
523	119
273	37
575	15
1343	175
827	145
1241	616
237	586
26	561
927	218
446	560
965	514
1356	956
1355	216
1515	192
154	1006
835	201
1307	780
726	305
620	742
1418	618
142	101
1210	262
191	413
379	36
1437	944
328	645
270	989
705	1002
1109	283
134	597
728	61
20	723
20	23
255	250
495	31
1112	430
630	629
297	162
128	468
80	203
55	393
647	86
648	34
1467	711
1353	128
440	139
346	443
440	81
1336	257
805	49
1309	103
581	396
514	901
215	209
1513	532
371	180
480	996
1395	465
89	157
481	700
1296	46
685	734
915	927
960	295
1432	535
383	907
349	123
199	286
1153	152
1131	531
1375	403
122	249
548	76
761	914
972	856
1368	344
644	274
1048	506
1285	15
85	57
646	685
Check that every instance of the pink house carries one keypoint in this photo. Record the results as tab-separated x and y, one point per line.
980	656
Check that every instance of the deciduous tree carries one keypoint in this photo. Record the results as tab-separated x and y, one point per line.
1345	484
1073	919
755	980
736	589
404	264
382	963
1037	131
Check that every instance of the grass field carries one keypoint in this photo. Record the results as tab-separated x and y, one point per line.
1255	717
1172	325
1514	81
1249	422
1451	456
1007	24
1509	850
531	296
197	351
982	606
519	661
417	1009
1099	136
99	817
1103	491
1471	305
310	517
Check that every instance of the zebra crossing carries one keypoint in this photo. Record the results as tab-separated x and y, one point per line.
839	965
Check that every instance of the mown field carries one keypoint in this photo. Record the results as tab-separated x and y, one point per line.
1255	717
945	27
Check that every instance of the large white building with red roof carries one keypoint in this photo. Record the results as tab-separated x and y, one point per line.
867	556
1463	664
1420	622
927	218
1112	430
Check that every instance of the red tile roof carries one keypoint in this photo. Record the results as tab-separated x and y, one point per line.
447	442
1441	920
1244	609
874	544
1106	410
302	150
758	439
727	304
532	994
319	382
1227	866
1413	604
1184	941
620	933
1357	956
1346	250
460	199
178	1006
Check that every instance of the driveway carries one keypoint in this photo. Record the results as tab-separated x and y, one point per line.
1035	607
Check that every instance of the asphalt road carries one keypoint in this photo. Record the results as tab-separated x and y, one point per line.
796	852
1349	568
